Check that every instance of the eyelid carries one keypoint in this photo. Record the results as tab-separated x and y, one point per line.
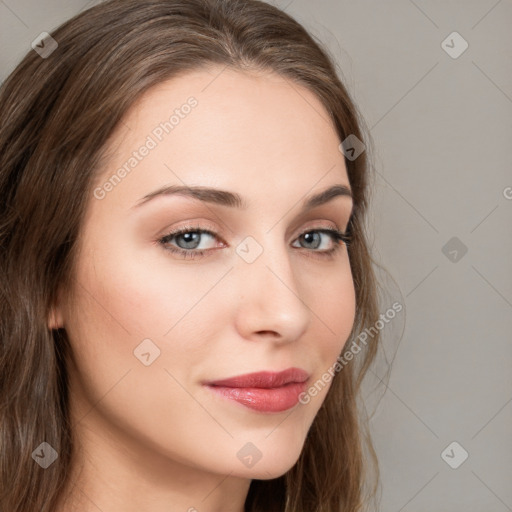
319	224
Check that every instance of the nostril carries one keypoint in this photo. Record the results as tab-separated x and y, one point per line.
271	333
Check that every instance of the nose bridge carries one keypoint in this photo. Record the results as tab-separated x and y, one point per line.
269	292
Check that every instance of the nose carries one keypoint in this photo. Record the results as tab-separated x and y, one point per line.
271	304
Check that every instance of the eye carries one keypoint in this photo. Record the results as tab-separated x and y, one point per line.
189	242
190	239
316	238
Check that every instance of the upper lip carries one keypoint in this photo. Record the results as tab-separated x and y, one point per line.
265	379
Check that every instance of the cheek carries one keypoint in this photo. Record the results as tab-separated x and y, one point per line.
333	306
119	308
147	296
124	302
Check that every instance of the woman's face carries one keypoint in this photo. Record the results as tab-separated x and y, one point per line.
158	316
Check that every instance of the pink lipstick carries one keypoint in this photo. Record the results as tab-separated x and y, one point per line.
264	391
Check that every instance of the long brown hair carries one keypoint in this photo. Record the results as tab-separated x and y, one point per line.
57	113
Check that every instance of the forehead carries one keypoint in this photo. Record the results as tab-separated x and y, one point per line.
246	129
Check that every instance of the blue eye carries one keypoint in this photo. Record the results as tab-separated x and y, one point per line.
185	242
190	239
314	237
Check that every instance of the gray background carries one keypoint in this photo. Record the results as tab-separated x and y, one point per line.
442	132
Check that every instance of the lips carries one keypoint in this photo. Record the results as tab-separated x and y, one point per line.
263	391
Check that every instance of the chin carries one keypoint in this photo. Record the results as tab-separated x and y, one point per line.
273	466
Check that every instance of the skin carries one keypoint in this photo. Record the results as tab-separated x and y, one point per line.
153	438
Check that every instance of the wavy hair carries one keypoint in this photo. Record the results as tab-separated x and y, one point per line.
57	114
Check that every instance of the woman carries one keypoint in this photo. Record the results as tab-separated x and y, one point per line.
184	266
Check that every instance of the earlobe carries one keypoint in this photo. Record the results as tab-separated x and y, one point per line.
55	316
55	320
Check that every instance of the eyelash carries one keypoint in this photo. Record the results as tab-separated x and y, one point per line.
336	237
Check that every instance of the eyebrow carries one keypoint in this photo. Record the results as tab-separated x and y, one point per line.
234	200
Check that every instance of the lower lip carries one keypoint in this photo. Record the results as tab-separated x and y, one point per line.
264	399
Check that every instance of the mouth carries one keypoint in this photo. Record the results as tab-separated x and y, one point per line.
263	391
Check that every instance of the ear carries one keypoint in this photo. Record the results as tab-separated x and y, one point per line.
55	316
55	320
